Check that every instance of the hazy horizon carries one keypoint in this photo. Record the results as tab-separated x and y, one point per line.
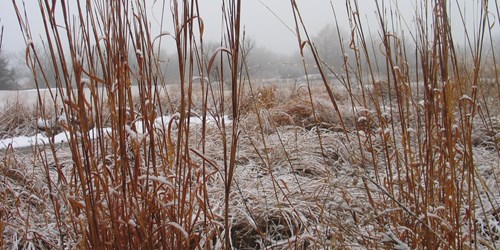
269	22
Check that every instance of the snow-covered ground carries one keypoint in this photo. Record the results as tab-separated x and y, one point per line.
29	141
42	139
31	97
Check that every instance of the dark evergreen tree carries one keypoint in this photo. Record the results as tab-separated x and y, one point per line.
7	75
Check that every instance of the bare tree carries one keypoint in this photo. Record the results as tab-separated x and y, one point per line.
328	43
247	46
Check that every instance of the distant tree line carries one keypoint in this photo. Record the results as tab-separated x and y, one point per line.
332	45
7	75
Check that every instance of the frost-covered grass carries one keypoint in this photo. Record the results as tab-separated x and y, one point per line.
289	189
407	159
17	119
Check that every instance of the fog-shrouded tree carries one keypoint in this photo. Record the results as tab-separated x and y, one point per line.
7	75
39	70
49	68
328	43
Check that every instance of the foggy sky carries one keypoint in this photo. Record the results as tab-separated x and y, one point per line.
260	23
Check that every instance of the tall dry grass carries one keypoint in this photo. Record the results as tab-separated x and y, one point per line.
406	161
426	186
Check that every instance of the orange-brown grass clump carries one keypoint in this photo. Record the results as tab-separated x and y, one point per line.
17	119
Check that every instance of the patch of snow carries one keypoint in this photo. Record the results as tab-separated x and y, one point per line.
389	237
62	119
59	138
132	223
360	109
421	103
362	119
43	124
466	97
196	120
41	138
138	53
94	133
130	132
136	135
25	141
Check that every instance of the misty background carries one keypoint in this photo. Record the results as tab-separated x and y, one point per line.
271	46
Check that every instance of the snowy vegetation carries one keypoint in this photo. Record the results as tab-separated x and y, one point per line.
383	153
